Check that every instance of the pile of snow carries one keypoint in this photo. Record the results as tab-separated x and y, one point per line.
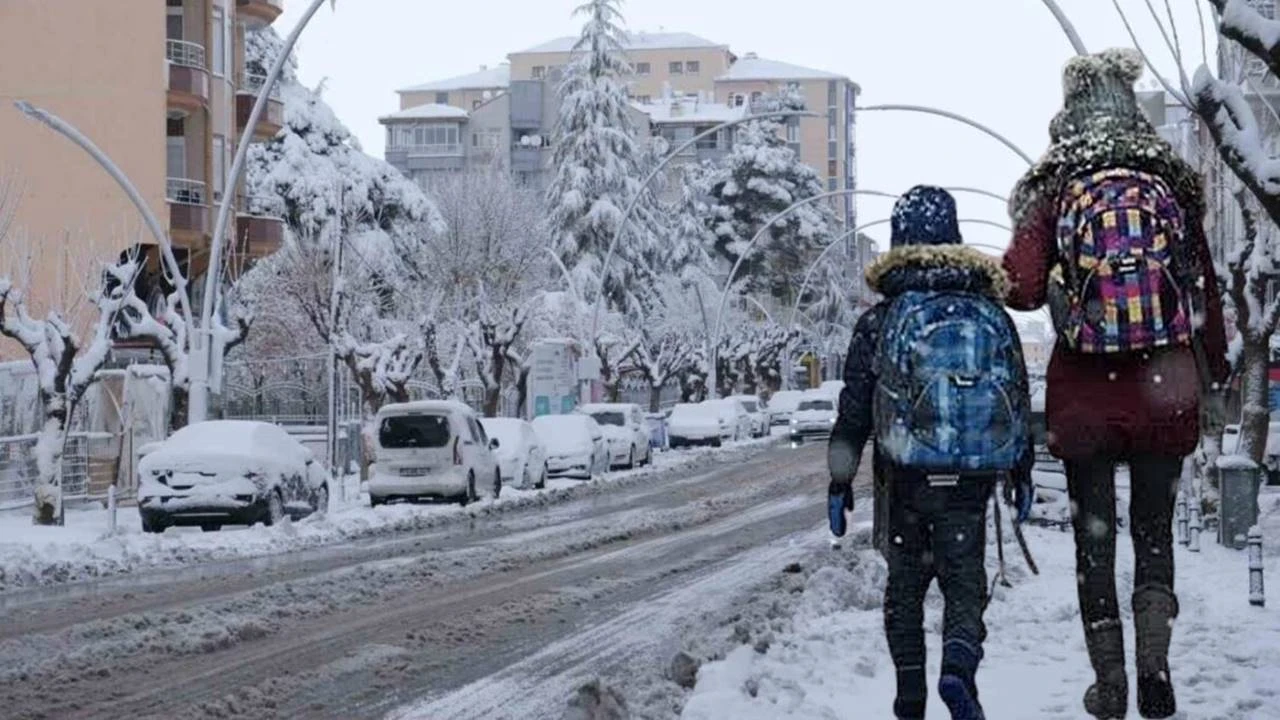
829	654
83	548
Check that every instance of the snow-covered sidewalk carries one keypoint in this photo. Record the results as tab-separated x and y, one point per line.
827	656
84	549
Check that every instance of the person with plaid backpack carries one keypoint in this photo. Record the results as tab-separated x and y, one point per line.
935	376
1109	233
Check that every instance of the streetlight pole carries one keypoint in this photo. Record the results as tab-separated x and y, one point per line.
202	350
69	131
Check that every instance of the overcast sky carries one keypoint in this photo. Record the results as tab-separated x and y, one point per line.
997	61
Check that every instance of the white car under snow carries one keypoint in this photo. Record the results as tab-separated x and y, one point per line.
520	453
699	424
814	418
626	431
228	472
575	444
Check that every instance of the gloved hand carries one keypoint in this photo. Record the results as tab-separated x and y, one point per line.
1020	494
839	505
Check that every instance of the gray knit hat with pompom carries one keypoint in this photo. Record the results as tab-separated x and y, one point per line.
1098	93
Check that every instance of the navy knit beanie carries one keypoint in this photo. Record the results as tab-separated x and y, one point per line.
925	215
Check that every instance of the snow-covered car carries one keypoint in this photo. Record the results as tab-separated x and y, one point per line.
814	418
697	424
433	449
228	472
756	413
736	415
625	430
782	404
575	444
520	453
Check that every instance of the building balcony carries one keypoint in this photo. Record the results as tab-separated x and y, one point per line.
188	211
188	87
272	118
440	150
259	13
259	226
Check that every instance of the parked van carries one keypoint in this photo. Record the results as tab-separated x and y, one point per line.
433	449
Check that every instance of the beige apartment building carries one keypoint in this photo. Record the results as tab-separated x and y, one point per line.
160	86
682	84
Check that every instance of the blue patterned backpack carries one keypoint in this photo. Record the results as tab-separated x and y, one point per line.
951	395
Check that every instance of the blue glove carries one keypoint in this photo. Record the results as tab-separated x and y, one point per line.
1021	495
839	503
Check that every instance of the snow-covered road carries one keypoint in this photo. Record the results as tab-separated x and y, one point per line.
499	616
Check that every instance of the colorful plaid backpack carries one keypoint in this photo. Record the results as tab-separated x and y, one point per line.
1126	289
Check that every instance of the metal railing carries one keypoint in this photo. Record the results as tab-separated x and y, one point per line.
183	190
18	469
252	84
268	206
446	150
189	54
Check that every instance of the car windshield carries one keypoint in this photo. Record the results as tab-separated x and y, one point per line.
610	418
816	405
414	431
750	405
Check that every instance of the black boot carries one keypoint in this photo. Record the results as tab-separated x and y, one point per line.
1154	608
1108	697
957	685
913	692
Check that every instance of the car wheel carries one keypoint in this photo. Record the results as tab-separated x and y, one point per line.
469	492
716	443
275	509
151	526
375	501
321	504
542	479
497	484
631	458
211	527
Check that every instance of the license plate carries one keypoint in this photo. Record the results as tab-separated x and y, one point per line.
414	471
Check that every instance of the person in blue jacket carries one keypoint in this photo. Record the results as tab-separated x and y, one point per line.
933	530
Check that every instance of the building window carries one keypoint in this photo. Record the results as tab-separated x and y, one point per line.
737	100
832	125
831	93
832	147
219	171
539	72
644	99
833	169
793	132
442	98
755	97
677	68
643	69
693	67
831	183
174	28
219	43
710	142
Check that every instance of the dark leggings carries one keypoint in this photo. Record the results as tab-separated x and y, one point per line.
1153	491
935	532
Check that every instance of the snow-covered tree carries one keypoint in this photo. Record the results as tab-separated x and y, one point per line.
761	177
67	362
597	158
492	340
1246	146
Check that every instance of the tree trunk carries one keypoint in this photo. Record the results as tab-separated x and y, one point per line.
180	402
1256	418
493	394
522	391
655	396
48	491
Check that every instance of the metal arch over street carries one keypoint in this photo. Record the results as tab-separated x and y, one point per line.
958	118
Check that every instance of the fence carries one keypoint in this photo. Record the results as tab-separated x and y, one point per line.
18	469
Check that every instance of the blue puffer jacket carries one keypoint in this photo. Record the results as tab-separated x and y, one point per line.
915	267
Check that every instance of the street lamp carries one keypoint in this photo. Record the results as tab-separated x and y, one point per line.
202	338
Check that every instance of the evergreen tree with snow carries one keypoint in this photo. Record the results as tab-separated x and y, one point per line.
761	177
596	164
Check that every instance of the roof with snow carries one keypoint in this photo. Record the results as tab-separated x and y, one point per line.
634	41
430	111
484	79
752	67
688	110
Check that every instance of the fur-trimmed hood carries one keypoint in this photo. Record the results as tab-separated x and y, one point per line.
940	268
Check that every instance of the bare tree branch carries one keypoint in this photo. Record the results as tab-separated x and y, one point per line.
1240	22
1176	94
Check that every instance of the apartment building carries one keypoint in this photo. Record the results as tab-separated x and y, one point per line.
683	84
160	87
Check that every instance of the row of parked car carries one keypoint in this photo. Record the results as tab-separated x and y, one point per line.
244	472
